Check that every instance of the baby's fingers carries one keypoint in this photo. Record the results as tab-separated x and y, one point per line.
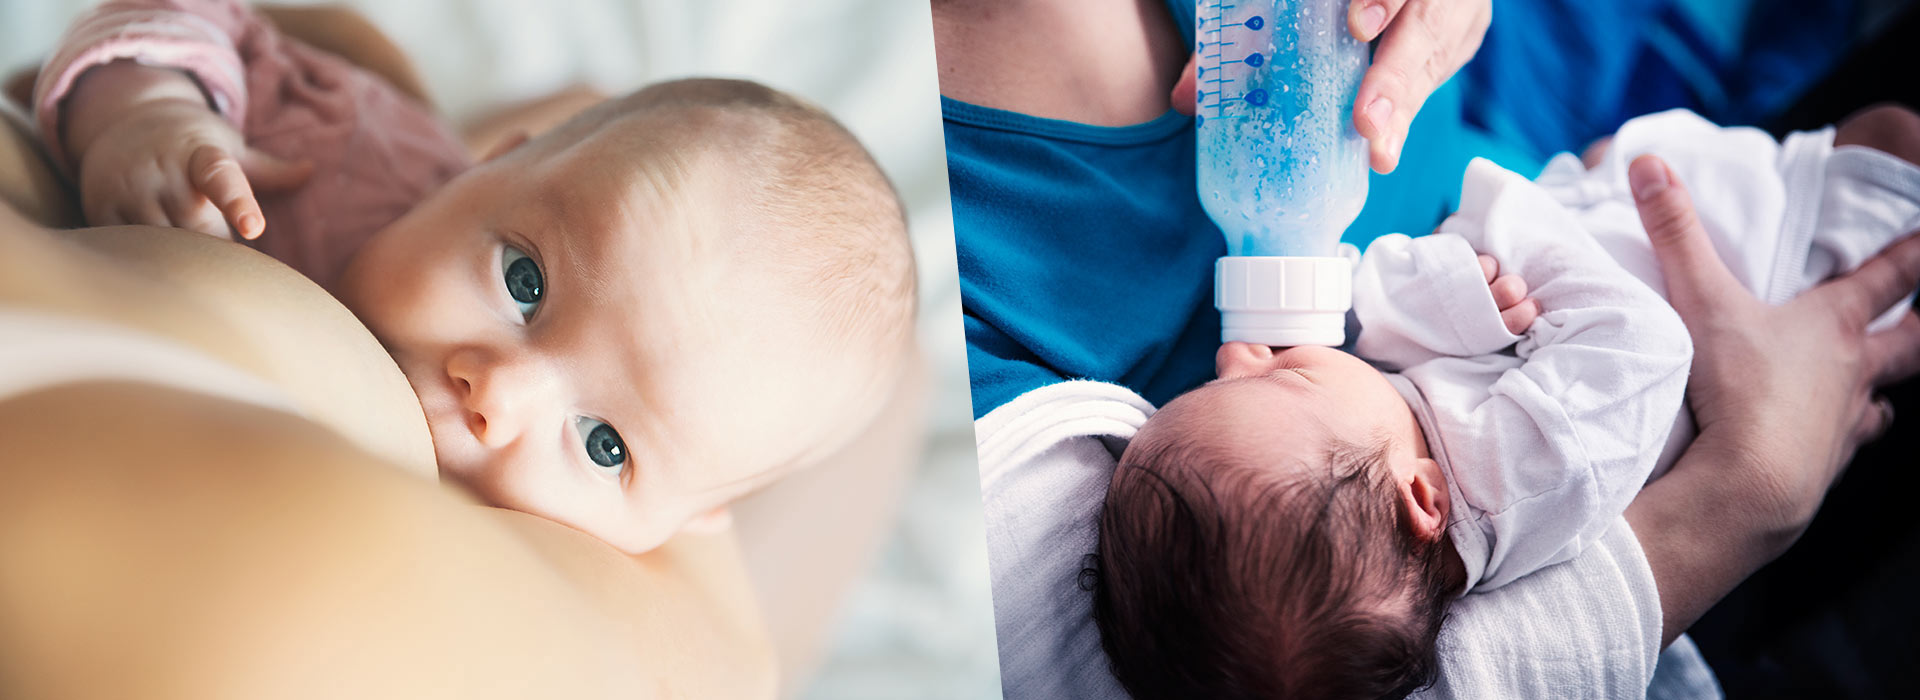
1489	268
1519	316
1507	291
144	212
100	213
191	211
218	176
269	173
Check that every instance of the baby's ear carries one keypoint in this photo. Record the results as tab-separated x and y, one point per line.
714	521
507	144
1425	496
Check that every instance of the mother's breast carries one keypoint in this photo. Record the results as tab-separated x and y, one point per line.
248	309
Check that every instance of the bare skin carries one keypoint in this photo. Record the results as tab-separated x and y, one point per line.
1115	59
1783	396
253	583
480	602
244	492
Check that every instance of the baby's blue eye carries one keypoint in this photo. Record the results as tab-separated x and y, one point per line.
524	282
604	446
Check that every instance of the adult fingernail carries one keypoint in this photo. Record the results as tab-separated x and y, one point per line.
1372	20
1378	113
1647	177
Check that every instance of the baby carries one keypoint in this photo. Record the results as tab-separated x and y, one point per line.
622	325
1299	527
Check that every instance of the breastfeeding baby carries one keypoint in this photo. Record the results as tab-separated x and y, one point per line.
623	324
1299	527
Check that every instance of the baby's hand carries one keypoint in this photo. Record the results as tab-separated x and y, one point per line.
1517	310
169	160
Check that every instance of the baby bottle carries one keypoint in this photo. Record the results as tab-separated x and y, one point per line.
1282	171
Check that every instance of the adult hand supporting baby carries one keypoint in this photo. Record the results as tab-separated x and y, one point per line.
1782	394
1422	44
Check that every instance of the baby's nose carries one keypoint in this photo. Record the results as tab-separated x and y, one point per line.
502	393
1237	359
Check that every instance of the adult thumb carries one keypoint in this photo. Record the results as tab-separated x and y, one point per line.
268	173
1697	280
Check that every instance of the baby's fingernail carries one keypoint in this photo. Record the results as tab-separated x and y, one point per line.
1378	113
1647	177
249	225
1372	20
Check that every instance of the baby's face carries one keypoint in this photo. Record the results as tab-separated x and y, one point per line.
1297	401
580	340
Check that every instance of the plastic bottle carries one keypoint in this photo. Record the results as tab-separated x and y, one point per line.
1281	169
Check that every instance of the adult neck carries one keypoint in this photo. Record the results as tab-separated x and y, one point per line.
1101	62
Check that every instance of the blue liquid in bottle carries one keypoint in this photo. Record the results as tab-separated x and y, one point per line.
1281	169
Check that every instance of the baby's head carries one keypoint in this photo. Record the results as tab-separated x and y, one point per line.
646	313
1275	533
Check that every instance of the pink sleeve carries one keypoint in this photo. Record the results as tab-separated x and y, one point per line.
199	37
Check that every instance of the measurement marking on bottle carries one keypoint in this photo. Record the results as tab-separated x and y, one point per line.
1219	95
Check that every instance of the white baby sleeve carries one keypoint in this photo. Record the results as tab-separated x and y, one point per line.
1547	447
1421	298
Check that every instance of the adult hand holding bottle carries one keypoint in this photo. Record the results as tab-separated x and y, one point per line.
1422	44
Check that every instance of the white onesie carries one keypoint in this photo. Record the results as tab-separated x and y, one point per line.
1546	437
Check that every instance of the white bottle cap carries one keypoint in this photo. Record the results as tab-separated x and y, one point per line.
1283	301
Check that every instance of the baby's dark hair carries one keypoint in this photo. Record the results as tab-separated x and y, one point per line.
1223	577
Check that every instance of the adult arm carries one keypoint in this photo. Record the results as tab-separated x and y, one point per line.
1782	394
